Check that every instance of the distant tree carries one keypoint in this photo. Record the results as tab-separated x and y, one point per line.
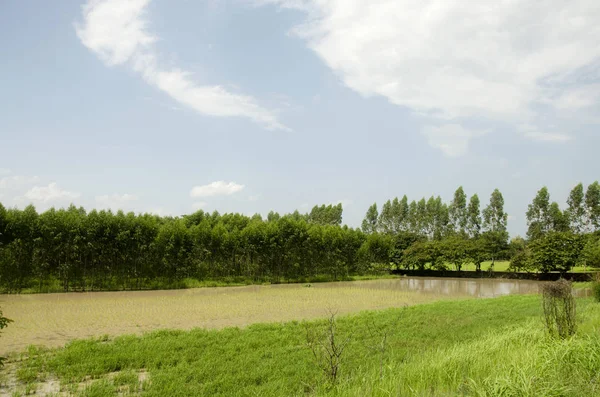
326	215
559	220
476	252
458	211
592	203
494	217
576	209
538	215
495	236
555	251
455	250
473	217
401	214
590	254
385	223
369	224
273	216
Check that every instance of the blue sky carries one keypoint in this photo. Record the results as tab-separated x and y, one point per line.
257	105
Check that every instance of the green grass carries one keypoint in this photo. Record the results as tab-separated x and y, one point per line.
54	285
486	347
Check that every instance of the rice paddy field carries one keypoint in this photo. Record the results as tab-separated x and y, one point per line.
419	337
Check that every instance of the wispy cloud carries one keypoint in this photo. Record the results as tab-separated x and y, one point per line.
217	188
116	201
198	205
17	181
117	31
452	139
492	61
50	193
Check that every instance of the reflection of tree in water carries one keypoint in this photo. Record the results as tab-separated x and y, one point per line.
482	288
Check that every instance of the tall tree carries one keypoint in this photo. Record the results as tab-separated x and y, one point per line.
592	203
458	211
369	224
538	215
494	217
559	220
576	210
473	217
495	235
403	215
385	222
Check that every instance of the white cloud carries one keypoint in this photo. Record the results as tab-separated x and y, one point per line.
531	132
198	205
116	31
453	60
217	188
5	171
50	193
116	201
17	181
452	139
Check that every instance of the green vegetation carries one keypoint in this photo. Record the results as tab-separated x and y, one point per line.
482	347
3	324
75	250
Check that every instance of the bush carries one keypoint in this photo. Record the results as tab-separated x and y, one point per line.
559	308
596	288
3	324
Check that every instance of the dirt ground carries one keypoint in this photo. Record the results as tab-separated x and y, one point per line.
54	319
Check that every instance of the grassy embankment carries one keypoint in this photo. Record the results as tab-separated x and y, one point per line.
55	286
483	347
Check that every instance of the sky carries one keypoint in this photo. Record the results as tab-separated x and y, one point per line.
256	105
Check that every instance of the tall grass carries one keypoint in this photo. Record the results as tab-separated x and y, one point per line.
487	347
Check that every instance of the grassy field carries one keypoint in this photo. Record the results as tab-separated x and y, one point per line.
54	319
484	347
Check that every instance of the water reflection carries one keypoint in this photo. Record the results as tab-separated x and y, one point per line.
479	287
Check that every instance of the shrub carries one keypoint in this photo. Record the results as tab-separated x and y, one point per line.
559	308
596	288
3	324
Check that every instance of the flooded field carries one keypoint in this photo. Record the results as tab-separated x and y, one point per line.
54	319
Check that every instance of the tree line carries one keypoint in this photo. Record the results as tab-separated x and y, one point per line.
97	250
560	239
100	249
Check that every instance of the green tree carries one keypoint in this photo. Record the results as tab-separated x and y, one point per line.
455	250
385	223
592	203
576	209
458	212
538	215
590	254
495	236
369	224
473	217
555	251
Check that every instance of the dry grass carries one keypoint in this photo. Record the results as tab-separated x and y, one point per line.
54	319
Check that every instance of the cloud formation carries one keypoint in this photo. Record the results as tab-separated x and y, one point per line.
217	188
116	201
50	193
501	61
17	181
117	32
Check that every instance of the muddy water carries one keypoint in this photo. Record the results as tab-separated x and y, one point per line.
54	319
455	287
